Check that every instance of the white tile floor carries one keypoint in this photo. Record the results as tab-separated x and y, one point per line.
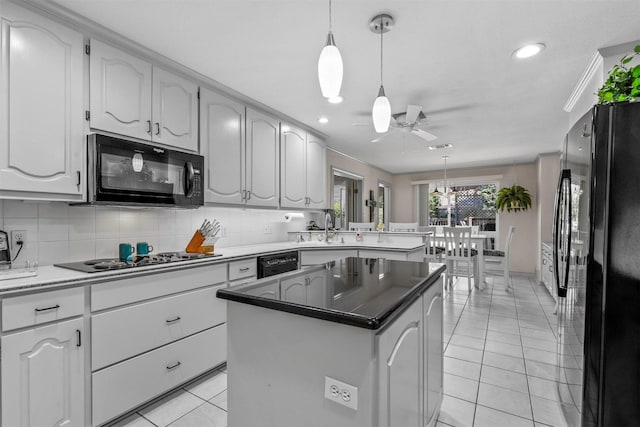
499	367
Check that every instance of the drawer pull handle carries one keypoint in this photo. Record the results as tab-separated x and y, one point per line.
53	307
173	320
242	270
174	366
78	338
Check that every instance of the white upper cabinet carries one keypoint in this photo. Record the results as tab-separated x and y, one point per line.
222	134
120	92
303	169
41	114
175	110
316	172
241	167
131	97
262	159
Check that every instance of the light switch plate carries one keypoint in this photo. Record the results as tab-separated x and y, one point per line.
342	393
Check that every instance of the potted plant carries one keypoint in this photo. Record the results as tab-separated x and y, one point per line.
515	198
623	83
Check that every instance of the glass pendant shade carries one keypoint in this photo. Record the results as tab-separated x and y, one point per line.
330	69
381	112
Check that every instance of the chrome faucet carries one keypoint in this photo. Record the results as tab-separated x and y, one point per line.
327	224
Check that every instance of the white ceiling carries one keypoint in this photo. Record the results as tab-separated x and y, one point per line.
453	57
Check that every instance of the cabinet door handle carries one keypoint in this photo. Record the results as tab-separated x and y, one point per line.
149	127
78	179
248	194
78	338
242	270
174	320
174	366
157	128
53	307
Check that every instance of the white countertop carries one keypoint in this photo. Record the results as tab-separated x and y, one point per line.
52	277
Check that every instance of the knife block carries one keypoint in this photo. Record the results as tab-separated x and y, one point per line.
197	244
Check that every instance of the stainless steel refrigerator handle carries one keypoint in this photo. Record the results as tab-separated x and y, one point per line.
561	291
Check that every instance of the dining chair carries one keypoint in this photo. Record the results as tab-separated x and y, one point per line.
361	226
433	246
458	249
403	226
500	259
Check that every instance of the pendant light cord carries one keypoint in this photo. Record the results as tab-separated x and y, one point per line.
381	48
329	15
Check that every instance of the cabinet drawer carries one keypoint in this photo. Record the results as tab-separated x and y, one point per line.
242	269
42	307
126	385
123	333
120	292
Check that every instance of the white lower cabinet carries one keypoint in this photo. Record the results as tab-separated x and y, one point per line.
43	376
308	289
412	343
400	351
119	334
126	385
433	358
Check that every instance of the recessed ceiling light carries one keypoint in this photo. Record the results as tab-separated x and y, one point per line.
528	50
439	147
323	120
335	99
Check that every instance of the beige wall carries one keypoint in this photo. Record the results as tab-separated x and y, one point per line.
525	246
371	176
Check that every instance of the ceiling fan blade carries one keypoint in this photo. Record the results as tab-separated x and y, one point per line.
424	135
361	124
383	136
412	113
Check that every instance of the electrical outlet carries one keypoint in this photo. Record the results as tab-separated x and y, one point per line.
18	236
342	393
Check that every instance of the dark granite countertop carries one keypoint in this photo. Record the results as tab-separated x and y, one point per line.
360	292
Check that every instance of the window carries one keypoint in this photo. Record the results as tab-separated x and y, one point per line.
346	198
384	203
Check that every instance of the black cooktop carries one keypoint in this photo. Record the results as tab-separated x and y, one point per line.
107	264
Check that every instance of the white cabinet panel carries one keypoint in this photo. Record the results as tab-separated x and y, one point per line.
243	269
294	168
120	91
43	376
316	172
41	75
303	169
262	159
175	110
222	122
433	353
400	359
294	290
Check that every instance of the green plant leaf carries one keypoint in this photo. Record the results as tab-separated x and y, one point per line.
637	49
626	59
635	71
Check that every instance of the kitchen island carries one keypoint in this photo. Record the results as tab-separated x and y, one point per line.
356	342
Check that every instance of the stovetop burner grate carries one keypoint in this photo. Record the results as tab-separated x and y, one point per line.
106	264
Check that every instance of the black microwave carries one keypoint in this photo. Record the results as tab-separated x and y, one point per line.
125	172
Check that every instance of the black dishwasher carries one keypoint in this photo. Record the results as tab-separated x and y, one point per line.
270	265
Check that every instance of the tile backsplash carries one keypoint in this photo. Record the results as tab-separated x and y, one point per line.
57	232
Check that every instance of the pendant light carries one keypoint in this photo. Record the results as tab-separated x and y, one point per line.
381	112
330	66
446	192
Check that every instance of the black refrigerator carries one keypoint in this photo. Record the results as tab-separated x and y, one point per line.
599	272
612	328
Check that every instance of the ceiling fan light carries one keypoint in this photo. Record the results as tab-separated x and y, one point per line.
335	100
381	112
330	69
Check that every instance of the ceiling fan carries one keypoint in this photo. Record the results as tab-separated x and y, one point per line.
409	121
